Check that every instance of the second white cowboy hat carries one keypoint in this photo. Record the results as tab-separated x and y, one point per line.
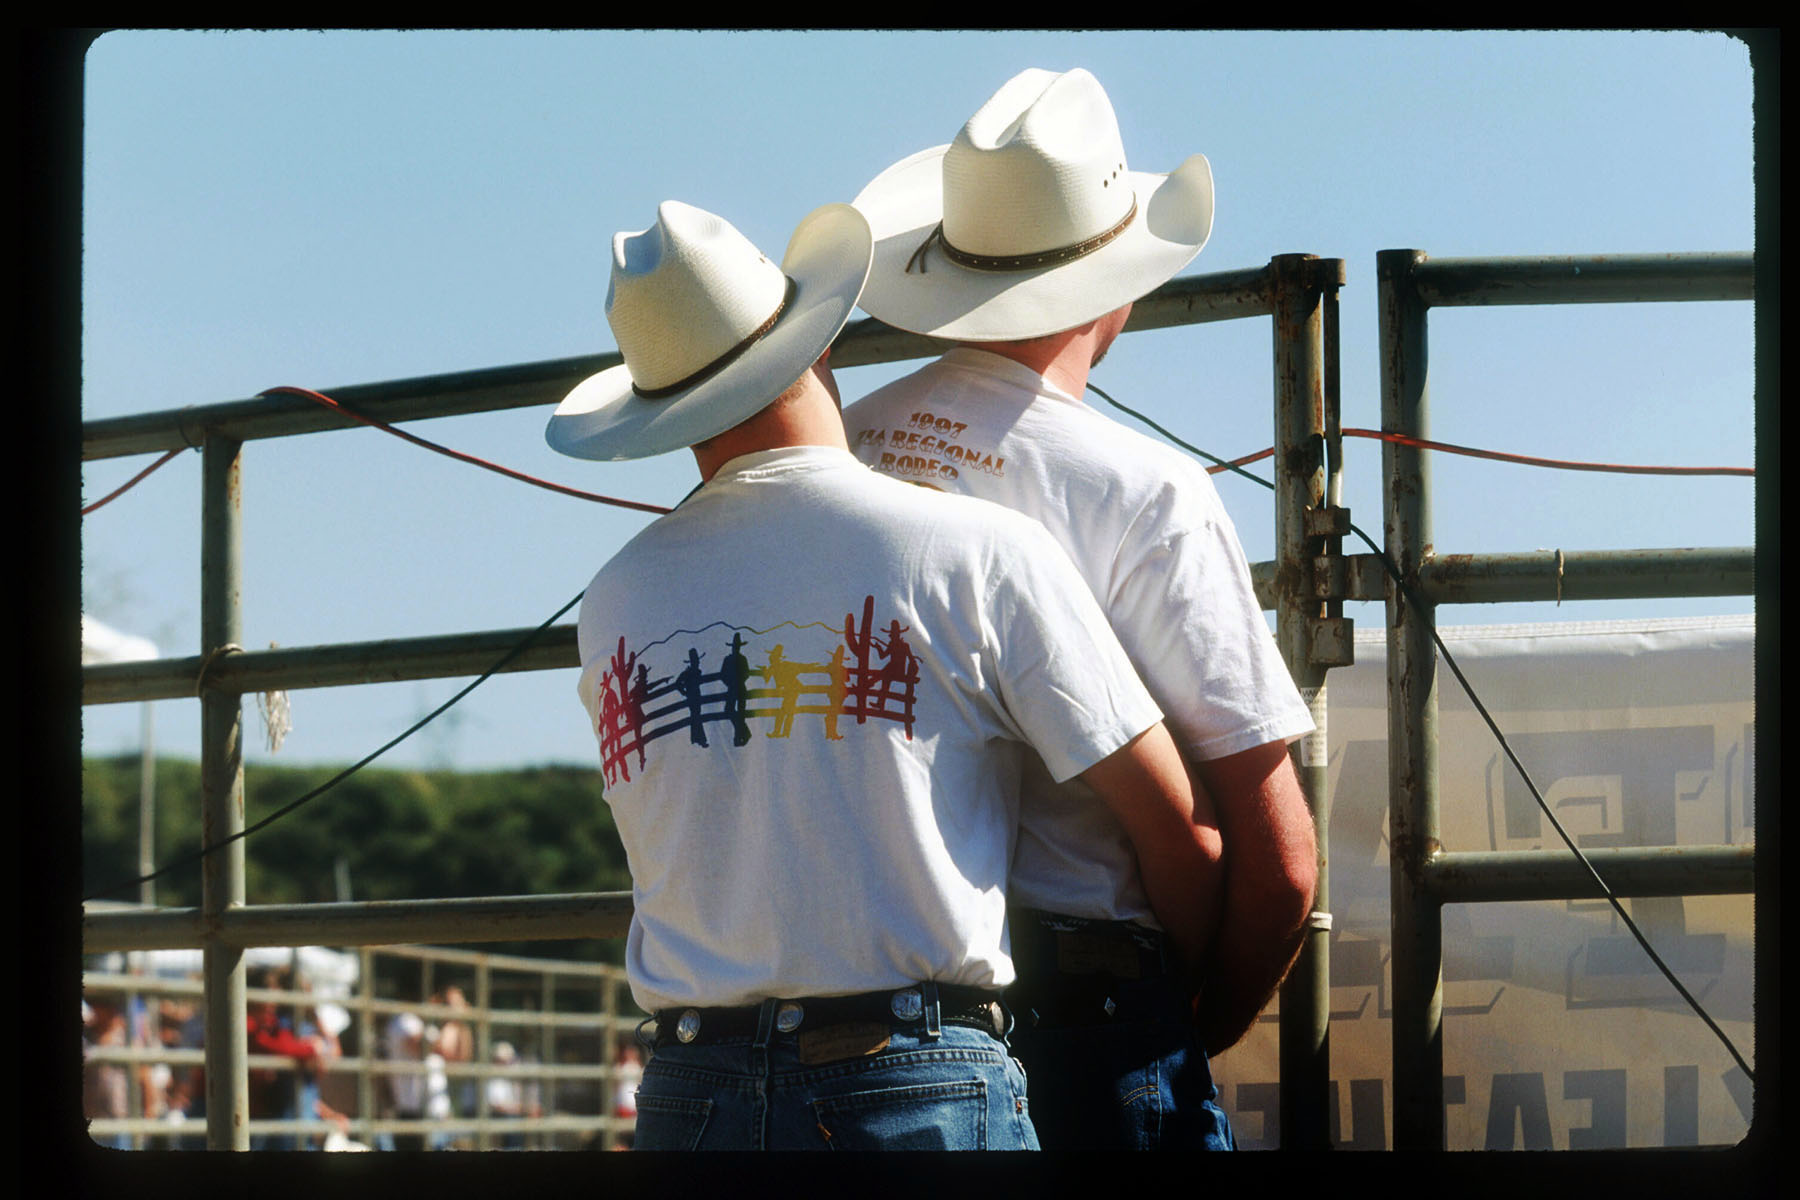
1030	222
711	331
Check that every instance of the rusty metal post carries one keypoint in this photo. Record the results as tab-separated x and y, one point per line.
1301	284
1418	1046
222	795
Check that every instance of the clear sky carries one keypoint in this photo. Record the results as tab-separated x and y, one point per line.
332	208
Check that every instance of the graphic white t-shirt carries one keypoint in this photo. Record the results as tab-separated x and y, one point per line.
1146	529
813	688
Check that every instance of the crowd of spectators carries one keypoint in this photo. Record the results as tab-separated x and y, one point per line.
174	1094
417	1082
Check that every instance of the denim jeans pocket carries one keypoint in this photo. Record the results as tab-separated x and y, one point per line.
932	1116
670	1122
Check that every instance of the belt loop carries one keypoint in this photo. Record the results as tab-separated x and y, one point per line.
765	1023
646	1042
934	1024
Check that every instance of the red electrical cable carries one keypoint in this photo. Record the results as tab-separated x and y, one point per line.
1376	434
1500	456
1556	463
1244	461
132	482
328	402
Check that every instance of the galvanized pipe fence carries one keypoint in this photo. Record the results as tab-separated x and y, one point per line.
1305	585
1422	876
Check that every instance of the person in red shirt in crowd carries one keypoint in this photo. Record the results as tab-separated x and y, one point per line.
272	1092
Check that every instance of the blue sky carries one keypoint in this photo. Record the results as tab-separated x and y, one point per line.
325	209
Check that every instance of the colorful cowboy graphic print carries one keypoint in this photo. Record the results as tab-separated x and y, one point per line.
851	669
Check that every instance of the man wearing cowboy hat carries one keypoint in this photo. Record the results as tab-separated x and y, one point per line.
1025	241
819	925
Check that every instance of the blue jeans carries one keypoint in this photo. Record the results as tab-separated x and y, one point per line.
1137	1081
959	1090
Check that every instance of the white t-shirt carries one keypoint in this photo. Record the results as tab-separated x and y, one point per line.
407	1090
503	1095
813	688
1145	527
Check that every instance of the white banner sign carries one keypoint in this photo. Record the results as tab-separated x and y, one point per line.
1559	1032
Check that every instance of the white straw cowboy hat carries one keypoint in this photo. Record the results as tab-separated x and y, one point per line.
1030	222
711	331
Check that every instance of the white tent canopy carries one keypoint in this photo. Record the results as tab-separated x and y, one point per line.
331	973
101	643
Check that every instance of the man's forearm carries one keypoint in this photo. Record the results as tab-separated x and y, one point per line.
1173	832
1245	971
1271	874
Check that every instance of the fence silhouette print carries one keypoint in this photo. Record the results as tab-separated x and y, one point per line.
867	675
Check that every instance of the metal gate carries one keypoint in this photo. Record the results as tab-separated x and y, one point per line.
1305	585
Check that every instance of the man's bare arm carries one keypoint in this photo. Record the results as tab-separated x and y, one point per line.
1170	824
1271	875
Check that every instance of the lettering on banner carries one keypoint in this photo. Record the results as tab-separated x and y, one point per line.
1367	1128
1605	1092
1368	1116
1741	802
1519	1113
1477	967
1619	788
1645	763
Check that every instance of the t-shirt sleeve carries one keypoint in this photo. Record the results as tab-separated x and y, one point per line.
1183	605
1061	675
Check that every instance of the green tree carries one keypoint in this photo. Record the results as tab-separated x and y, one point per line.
400	834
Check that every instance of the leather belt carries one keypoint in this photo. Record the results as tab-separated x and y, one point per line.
1077	971
900	1008
1049	944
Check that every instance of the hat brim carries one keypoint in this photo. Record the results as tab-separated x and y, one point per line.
828	259
943	299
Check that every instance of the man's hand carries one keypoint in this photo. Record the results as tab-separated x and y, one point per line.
1170	824
1271	875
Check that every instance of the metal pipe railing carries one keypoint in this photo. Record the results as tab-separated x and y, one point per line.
1469	877
1423	877
345	664
1418	954
1305	589
364	923
1305	288
1586	575
223	671
1589	279
1443	579
1191	300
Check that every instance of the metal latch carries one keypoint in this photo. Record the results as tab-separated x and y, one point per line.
1331	639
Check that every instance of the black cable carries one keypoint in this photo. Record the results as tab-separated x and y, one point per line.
1419	607
346	772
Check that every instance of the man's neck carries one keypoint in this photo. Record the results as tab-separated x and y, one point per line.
810	418
1063	359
